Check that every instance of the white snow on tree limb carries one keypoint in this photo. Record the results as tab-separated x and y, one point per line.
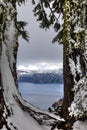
79	105
72	67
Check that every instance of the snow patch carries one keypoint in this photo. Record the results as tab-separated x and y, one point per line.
80	125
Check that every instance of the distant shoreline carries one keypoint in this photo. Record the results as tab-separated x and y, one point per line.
37	82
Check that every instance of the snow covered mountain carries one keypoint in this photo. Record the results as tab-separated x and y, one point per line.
40	76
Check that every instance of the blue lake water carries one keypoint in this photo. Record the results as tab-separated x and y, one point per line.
41	95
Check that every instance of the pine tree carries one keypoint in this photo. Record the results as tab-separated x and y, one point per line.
73	30
75	60
75	40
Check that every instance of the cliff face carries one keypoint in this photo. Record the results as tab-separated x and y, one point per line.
41	77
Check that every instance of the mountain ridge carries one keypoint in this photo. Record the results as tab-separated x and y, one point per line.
40	76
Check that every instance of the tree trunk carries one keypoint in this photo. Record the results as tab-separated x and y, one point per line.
68	85
75	60
8	57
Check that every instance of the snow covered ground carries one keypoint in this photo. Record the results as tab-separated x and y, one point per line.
80	125
21	121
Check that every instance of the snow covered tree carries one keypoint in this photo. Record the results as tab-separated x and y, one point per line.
75	42
8	57
74	32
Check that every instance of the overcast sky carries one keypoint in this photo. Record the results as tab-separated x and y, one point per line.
40	49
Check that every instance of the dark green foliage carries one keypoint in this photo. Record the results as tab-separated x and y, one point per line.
21	30
20	2
56	26
48	13
41	16
33	1
22	24
58	6
58	37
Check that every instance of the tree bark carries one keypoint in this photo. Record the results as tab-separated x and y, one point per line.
68	85
7	16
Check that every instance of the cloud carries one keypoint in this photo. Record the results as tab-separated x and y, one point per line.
33	67
41	66
21	67
40	47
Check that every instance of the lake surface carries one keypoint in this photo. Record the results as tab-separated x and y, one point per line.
41	95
